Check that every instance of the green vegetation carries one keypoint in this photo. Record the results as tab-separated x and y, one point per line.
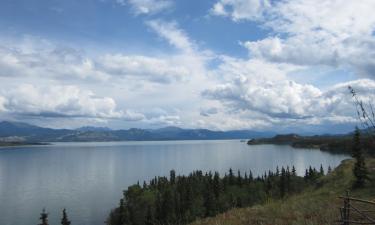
44	218
316	205
65	220
331	143
183	199
10	144
360	171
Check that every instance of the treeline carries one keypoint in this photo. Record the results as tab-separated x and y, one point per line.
183	199
44	218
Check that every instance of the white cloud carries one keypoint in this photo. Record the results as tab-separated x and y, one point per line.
61	101
63	63
241	9
277	98
171	32
209	111
147	6
333	32
160	70
3	102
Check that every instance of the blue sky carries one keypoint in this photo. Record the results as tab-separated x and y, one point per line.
218	64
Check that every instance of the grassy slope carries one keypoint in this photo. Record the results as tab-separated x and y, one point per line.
316	206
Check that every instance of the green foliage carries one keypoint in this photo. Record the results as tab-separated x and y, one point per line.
315	205
65	220
44	218
183	199
360	172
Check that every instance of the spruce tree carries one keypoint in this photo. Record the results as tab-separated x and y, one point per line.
282	182
149	220
172	177
360	172
44	217
294	172
251	178
231	177
216	185
65	220
321	171
239	178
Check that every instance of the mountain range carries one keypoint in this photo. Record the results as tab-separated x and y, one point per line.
31	133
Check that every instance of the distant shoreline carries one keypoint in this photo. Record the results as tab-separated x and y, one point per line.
16	144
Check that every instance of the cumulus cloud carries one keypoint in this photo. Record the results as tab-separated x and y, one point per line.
65	63
147	6
280	99
61	63
333	33
161	70
61	101
241	9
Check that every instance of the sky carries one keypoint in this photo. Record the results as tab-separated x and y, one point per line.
269	65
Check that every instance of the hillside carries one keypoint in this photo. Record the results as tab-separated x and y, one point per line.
315	206
31	133
332	143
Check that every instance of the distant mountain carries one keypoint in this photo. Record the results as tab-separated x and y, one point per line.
33	133
89	128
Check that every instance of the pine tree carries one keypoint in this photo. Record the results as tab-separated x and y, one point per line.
306	177
251	178
172	177
44	217
282	182
65	220
360	172
231	177
121	211
149	216
329	170
321	171
277	171
239	178
216	185
294	172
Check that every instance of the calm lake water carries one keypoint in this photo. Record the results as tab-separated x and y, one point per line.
88	178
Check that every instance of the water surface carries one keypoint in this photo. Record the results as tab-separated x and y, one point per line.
88	178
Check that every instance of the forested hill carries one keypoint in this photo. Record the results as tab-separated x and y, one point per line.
14	131
333	143
183	199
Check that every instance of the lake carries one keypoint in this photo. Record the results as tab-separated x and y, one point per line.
88	178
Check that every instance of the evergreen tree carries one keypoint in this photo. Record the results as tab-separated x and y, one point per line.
231	177
251	178
294	172
321	171
306	177
329	170
65	220
216	185
282	182
149	219
360	172
277	171
44	217
121	211
172	176
239	178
